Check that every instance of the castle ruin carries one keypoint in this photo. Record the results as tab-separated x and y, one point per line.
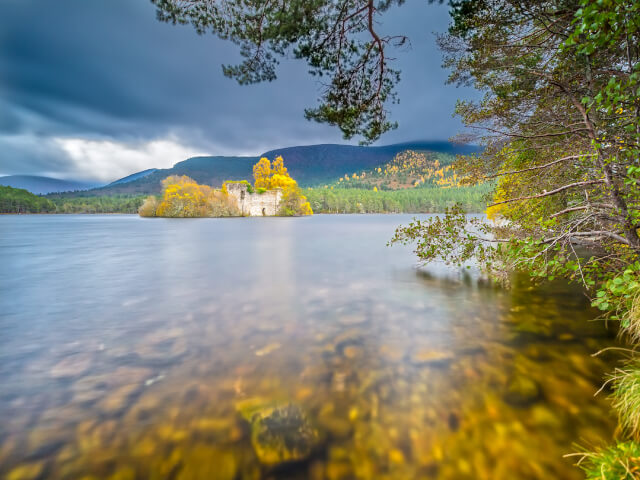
255	204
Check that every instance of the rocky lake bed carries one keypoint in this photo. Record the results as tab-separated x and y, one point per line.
283	349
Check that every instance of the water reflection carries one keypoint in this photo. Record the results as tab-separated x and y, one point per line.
280	348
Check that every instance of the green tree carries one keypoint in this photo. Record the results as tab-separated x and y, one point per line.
18	200
561	122
339	40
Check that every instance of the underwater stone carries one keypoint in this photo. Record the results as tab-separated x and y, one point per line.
352	351
266	350
280	433
423	358
72	366
351	320
522	391
118	400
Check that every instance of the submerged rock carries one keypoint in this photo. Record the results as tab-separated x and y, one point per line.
351	320
352	351
72	365
118	400
280	433
522	391
266	350
423	358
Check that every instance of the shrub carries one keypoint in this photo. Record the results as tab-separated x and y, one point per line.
148	207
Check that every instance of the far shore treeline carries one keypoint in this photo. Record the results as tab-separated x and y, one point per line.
413	182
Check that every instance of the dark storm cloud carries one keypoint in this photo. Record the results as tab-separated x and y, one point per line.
95	69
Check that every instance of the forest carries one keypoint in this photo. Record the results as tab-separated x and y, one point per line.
338	200
18	200
415	200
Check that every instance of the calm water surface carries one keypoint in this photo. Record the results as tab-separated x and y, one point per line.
280	348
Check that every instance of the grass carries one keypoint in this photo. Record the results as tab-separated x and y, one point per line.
620	462
626	397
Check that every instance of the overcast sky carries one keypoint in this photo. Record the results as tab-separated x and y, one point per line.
99	89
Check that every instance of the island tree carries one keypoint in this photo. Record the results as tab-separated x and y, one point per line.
268	176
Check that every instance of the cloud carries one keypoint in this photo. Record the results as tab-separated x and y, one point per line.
106	160
98	71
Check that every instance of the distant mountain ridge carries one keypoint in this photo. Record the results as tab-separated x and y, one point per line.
134	176
310	165
43	185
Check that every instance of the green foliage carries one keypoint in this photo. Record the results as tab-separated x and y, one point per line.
17	200
449	238
619	295
619	462
562	121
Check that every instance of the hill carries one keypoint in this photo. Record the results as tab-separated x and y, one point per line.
134	176
44	185
408	169
19	200
310	165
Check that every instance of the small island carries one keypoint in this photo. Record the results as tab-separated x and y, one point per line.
274	193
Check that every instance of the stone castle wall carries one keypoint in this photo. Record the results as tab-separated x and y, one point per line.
255	204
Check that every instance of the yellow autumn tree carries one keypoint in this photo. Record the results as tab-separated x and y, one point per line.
278	167
262	173
269	175
184	197
285	182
